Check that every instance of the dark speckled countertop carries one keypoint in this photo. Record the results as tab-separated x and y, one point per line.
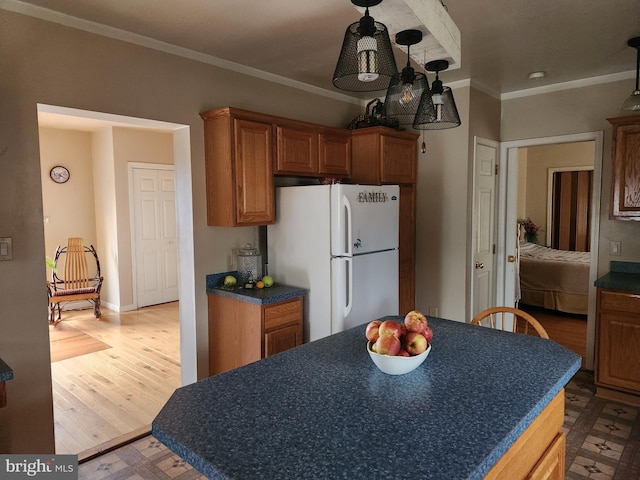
261	296
624	276
323	410
6	373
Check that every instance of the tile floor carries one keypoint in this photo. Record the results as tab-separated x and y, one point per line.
603	443
603	436
143	459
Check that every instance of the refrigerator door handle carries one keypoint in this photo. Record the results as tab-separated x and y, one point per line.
348	224
349	284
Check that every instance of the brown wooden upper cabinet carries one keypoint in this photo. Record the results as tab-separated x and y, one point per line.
625	185
312	150
383	155
243	151
239	168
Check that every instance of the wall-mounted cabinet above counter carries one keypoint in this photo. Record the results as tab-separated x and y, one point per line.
625	187
244	150
239	168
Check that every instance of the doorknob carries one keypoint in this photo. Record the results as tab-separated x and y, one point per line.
479	265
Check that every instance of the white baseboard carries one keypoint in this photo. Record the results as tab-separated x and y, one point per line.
86	305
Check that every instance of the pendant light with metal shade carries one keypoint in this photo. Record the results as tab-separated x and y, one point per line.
405	88
439	110
366	61
633	101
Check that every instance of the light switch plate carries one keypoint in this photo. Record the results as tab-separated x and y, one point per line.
614	248
6	249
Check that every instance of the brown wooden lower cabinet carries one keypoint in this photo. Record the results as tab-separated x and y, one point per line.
242	332
617	372
539	453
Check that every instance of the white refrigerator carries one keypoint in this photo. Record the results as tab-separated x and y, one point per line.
341	243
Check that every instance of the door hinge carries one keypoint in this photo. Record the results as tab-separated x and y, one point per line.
496	168
494	248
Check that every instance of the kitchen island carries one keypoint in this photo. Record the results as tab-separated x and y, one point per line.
323	410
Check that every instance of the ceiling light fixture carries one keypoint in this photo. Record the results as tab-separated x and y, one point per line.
406	87
366	61
633	101
437	109
536	75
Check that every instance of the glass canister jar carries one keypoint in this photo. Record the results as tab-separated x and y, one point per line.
249	264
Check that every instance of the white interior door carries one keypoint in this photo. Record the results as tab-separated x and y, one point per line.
484	225
155	235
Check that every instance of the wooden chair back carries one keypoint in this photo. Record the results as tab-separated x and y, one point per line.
76	272
522	321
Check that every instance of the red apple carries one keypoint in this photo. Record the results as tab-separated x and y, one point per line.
372	331
403	353
388	345
390	327
403	329
415	321
428	334
416	343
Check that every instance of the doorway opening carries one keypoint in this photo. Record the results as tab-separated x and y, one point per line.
96	207
510	191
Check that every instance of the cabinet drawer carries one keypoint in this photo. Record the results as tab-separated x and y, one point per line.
624	302
283	313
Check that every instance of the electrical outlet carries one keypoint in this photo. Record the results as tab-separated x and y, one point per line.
433	311
614	248
6	248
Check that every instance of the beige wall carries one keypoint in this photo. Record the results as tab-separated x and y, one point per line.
445	174
68	208
566	112
50	64
539	160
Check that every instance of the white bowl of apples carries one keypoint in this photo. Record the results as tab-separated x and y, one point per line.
397	348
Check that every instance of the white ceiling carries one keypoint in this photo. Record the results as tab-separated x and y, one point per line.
502	41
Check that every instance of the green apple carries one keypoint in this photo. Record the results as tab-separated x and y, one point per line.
229	281
267	280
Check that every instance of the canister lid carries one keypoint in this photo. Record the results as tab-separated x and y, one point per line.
248	250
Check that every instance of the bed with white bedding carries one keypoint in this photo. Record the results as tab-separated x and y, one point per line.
554	279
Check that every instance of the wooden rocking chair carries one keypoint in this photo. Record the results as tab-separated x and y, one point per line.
76	283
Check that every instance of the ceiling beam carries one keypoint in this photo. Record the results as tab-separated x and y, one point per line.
441	36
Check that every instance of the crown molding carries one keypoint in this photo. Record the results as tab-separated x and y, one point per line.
557	87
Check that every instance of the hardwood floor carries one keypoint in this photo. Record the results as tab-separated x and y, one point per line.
567	329
106	394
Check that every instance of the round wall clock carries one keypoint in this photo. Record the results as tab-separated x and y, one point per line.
59	174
